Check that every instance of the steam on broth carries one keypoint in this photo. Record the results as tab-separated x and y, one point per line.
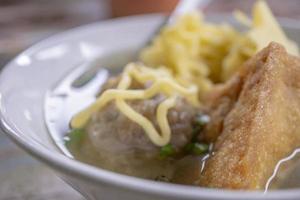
208	106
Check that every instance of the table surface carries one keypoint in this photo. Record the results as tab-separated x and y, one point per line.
22	24
28	21
23	178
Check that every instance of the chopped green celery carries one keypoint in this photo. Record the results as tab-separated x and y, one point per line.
201	120
197	148
199	123
167	151
75	136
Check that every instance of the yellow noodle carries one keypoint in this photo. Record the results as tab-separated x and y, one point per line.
166	87
186	59
162	120
204	53
162	83
158	139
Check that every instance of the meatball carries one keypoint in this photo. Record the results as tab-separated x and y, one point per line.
121	145
111	127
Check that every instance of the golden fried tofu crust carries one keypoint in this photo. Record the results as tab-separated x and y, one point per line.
260	126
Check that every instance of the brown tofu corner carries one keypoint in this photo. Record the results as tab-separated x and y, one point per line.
260	123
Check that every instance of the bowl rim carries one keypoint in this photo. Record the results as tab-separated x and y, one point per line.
96	175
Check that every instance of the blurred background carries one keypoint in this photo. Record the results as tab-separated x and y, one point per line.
24	22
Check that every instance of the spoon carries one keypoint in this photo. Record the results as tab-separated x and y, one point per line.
183	6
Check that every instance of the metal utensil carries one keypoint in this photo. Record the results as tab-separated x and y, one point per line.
182	7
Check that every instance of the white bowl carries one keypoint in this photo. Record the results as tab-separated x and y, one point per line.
25	81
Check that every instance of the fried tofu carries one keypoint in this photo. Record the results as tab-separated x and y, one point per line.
257	115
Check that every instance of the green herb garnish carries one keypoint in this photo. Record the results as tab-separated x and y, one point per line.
201	120
167	151
74	138
197	148
198	125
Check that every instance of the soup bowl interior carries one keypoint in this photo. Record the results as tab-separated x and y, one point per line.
26	80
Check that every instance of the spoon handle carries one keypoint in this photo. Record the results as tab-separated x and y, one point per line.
183	6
